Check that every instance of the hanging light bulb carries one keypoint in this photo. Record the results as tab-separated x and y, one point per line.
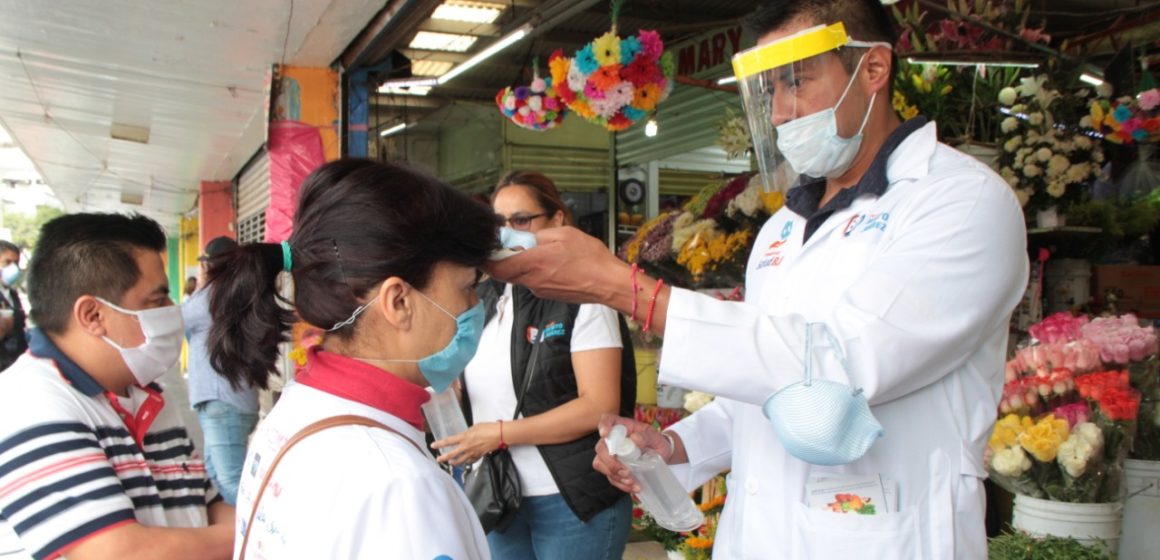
650	128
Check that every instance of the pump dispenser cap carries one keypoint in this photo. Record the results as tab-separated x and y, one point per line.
620	445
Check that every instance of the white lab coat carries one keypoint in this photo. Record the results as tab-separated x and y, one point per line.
351	491
917	287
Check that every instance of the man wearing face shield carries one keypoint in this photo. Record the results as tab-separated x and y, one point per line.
874	328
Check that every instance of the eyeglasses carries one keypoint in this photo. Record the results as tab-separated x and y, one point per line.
521	221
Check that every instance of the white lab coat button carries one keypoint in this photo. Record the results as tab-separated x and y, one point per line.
751	486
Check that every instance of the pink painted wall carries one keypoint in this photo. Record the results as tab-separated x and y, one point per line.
215	210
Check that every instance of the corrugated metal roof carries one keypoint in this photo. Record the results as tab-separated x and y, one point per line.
191	74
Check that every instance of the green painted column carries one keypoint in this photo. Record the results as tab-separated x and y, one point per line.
173	268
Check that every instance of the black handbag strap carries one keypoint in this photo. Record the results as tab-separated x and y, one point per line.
531	370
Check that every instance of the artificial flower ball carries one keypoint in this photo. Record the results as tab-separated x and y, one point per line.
534	107
615	82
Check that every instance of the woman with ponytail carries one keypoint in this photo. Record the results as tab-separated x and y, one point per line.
384	259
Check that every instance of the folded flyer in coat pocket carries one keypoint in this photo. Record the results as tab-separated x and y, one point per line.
862	495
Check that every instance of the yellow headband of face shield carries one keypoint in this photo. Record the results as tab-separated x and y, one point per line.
796	47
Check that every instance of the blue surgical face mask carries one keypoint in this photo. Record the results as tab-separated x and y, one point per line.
443	367
11	274
823	422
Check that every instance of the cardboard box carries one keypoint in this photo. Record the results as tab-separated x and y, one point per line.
1138	288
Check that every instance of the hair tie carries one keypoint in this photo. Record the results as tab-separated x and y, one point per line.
287	259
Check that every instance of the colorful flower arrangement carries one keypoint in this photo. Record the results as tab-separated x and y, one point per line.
1066	429
707	242
1127	120
536	106
1046	164
614	82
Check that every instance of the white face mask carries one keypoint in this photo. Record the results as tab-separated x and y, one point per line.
811	144
163	330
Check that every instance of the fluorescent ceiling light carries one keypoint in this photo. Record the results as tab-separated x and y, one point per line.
130	133
407	87
394	129
471	12
952	62
430	67
1090	78
491	49
727	80
433	41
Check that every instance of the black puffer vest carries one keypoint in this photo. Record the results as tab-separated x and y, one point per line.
553	383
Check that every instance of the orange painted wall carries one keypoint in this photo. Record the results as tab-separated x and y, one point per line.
215	210
310	95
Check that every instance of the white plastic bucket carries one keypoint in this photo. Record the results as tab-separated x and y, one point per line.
1086	523
1141	538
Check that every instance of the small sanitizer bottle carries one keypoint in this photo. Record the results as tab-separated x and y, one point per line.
660	493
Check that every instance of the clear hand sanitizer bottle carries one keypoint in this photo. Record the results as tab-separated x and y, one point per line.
660	493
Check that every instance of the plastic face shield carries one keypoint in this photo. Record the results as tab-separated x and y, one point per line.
774	79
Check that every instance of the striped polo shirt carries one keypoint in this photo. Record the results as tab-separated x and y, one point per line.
76	460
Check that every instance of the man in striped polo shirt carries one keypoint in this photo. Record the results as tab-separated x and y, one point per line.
93	464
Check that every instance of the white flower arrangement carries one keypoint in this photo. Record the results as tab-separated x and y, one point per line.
1057	165
1075	454
733	135
748	202
1007	96
1045	164
1012	461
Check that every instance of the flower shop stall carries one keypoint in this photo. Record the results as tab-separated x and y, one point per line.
1080	401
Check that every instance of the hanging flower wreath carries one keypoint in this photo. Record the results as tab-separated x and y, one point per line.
536	106
615	82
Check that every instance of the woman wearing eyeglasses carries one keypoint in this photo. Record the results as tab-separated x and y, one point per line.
576	368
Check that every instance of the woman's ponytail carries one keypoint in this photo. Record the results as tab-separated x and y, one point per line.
248	320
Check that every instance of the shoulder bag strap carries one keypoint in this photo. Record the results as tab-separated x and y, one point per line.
324	424
528	377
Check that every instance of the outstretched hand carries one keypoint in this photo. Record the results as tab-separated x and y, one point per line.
565	265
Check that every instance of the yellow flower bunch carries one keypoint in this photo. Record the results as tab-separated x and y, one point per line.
904	109
924	81
773	201
699	543
1042	440
708	248
1007	431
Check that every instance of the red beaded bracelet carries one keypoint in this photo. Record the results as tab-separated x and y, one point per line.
502	445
